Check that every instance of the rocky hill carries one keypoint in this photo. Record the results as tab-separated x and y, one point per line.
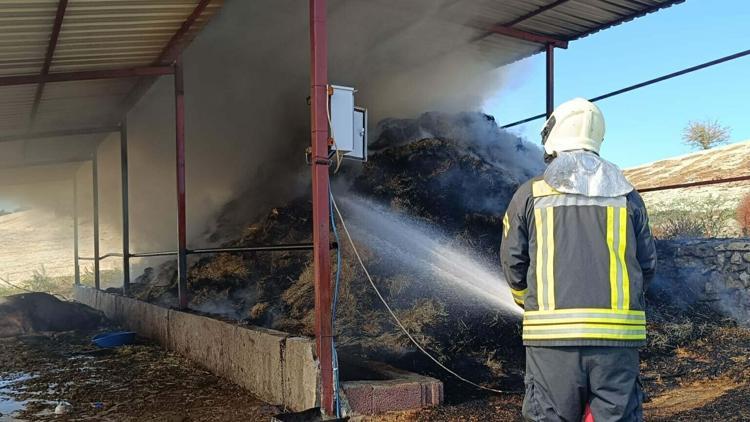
712	201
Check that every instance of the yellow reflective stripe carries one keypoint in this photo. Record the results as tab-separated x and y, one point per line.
612	257
550	258
600	336
583	326
576	316
587	311
506	225
519	293
539	257
541	188
623	240
640	322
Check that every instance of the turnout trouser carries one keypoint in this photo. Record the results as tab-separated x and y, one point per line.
561	380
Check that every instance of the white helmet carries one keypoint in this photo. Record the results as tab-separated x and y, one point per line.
575	124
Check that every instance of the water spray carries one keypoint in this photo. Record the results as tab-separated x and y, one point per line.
428	251
395	318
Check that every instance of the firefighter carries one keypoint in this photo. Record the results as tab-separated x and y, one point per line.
578	254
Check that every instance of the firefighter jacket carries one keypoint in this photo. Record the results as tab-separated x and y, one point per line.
578	265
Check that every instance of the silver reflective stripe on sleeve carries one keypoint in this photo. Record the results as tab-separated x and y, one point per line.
578	200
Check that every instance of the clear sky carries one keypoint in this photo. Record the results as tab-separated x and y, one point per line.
646	124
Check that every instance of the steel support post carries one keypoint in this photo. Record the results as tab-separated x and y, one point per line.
95	195
76	266
320	198
550	79
125	207
179	99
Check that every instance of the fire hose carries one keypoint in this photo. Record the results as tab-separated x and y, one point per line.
397	320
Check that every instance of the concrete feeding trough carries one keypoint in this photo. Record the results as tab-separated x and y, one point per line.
277	367
370	388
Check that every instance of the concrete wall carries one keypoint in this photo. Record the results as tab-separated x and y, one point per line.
711	270
279	369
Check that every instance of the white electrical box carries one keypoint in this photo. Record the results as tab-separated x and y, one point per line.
359	149
348	124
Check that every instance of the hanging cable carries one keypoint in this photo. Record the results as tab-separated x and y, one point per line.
17	287
335	355
14	286
395	318
643	84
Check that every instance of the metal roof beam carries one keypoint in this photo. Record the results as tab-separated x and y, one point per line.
87	75
535	12
522	18
174	46
46	163
168	55
628	18
58	133
528	36
54	35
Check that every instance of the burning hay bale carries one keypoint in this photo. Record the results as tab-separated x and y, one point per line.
457	171
39	312
445	177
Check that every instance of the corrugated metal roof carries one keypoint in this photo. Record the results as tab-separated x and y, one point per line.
567	20
117	34
94	35
68	105
103	34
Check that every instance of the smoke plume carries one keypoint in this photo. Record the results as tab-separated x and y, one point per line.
247	83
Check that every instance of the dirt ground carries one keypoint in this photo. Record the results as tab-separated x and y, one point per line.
691	372
141	382
693	369
696	367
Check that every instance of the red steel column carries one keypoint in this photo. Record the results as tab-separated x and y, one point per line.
125	206
550	79
95	196
76	253
320	198
179	101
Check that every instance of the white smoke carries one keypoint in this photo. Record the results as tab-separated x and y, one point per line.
247	80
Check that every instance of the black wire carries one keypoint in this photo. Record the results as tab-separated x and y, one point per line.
646	83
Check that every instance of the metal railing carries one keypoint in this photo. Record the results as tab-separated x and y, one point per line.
199	251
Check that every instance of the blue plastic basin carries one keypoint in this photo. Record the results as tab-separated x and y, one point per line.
114	339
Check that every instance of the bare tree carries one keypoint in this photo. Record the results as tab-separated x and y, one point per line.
705	134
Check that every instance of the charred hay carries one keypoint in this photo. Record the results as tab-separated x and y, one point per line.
457	172
29	313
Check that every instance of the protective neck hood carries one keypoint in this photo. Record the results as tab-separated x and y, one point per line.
585	173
